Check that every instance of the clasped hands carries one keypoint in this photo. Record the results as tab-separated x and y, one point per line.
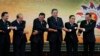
12	27
49	29
68	30
54	30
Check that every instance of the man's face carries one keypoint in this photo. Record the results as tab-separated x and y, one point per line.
5	17
72	19
41	17
20	17
55	13
87	17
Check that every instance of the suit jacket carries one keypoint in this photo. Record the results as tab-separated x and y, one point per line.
55	24
4	27
40	26
18	34
88	34
71	36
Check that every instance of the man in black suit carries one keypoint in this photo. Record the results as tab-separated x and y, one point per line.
4	34
55	36
37	40
87	26
71	36
19	37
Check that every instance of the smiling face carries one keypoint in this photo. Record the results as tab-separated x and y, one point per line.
87	17
72	19
55	13
5	16
41	17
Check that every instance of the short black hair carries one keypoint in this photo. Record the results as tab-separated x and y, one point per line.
71	16
54	10
17	16
88	14
42	14
3	14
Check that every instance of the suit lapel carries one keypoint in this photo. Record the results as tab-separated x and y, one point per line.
56	21
41	23
70	25
5	23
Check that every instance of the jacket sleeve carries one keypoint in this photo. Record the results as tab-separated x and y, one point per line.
81	26
91	26
38	27
74	29
4	28
51	24
21	27
61	25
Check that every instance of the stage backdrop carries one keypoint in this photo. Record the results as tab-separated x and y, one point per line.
31	8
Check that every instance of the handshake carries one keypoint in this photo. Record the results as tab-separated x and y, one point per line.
12	27
69	30
82	29
49	29
52	30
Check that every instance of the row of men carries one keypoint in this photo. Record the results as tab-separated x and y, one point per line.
55	28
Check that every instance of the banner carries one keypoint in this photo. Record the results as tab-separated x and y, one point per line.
31	8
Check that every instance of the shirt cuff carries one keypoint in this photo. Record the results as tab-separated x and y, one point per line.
8	27
70	30
15	28
83	30
75	28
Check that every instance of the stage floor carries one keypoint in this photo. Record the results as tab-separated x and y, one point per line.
62	53
63	49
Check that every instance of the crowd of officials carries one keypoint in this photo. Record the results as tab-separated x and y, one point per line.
55	28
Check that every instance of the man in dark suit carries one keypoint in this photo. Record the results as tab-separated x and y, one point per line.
19	37
55	36
4	34
71	36
87	26
37	40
